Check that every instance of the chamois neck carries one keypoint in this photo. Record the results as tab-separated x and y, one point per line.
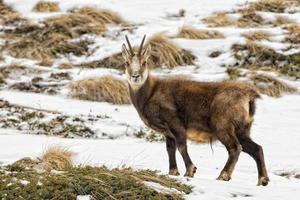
139	96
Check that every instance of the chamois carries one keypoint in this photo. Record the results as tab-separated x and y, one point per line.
201	111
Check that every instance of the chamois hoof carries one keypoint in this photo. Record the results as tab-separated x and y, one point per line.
191	170
263	181
224	176
174	172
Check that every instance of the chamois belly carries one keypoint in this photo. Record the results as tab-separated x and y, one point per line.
199	136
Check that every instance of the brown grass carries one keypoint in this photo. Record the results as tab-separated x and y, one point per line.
281	20
106	88
52	37
249	18
250	54
8	15
277	6
163	53
233	73
166	53
193	33
293	34
257	35
57	158
271	86
101	16
219	20
46	6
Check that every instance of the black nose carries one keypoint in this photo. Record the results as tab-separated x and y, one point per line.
135	76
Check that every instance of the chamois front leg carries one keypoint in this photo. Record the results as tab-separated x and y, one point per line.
171	148
179	133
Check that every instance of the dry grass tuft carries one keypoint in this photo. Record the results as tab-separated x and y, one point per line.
277	6
254	54
257	35
106	88
57	158
219	20
281	20
193	33
233	73
101	16
163	53
249	18
293	34
8	15
54	36
166	53
271	86
46	6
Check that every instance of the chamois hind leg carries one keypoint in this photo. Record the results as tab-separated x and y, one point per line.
171	148
229	140
256	152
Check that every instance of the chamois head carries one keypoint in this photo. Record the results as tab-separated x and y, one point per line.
137	70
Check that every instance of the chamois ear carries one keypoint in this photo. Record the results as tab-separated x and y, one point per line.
147	52
125	52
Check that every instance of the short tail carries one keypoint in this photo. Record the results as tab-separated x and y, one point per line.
252	107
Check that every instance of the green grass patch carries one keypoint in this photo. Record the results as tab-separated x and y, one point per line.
149	136
98	182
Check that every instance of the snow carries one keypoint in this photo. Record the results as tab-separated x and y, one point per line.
275	128
276	125
83	197
160	188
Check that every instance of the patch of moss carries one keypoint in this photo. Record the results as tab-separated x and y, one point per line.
24	119
149	136
98	182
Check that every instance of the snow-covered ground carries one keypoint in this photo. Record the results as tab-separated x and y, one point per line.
276	125
276	128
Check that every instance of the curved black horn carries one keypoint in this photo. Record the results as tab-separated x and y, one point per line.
129	45
141	46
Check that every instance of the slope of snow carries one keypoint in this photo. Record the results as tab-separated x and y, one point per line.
276	129
276	125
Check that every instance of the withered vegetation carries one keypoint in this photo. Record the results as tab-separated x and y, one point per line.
257	35
106	88
56	35
164	53
35	121
46	6
253	56
293	34
282	20
57	158
219	19
190	32
25	180
8	16
248	18
252	53
276	6
270	85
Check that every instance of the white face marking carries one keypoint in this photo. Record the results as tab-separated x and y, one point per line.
135	67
